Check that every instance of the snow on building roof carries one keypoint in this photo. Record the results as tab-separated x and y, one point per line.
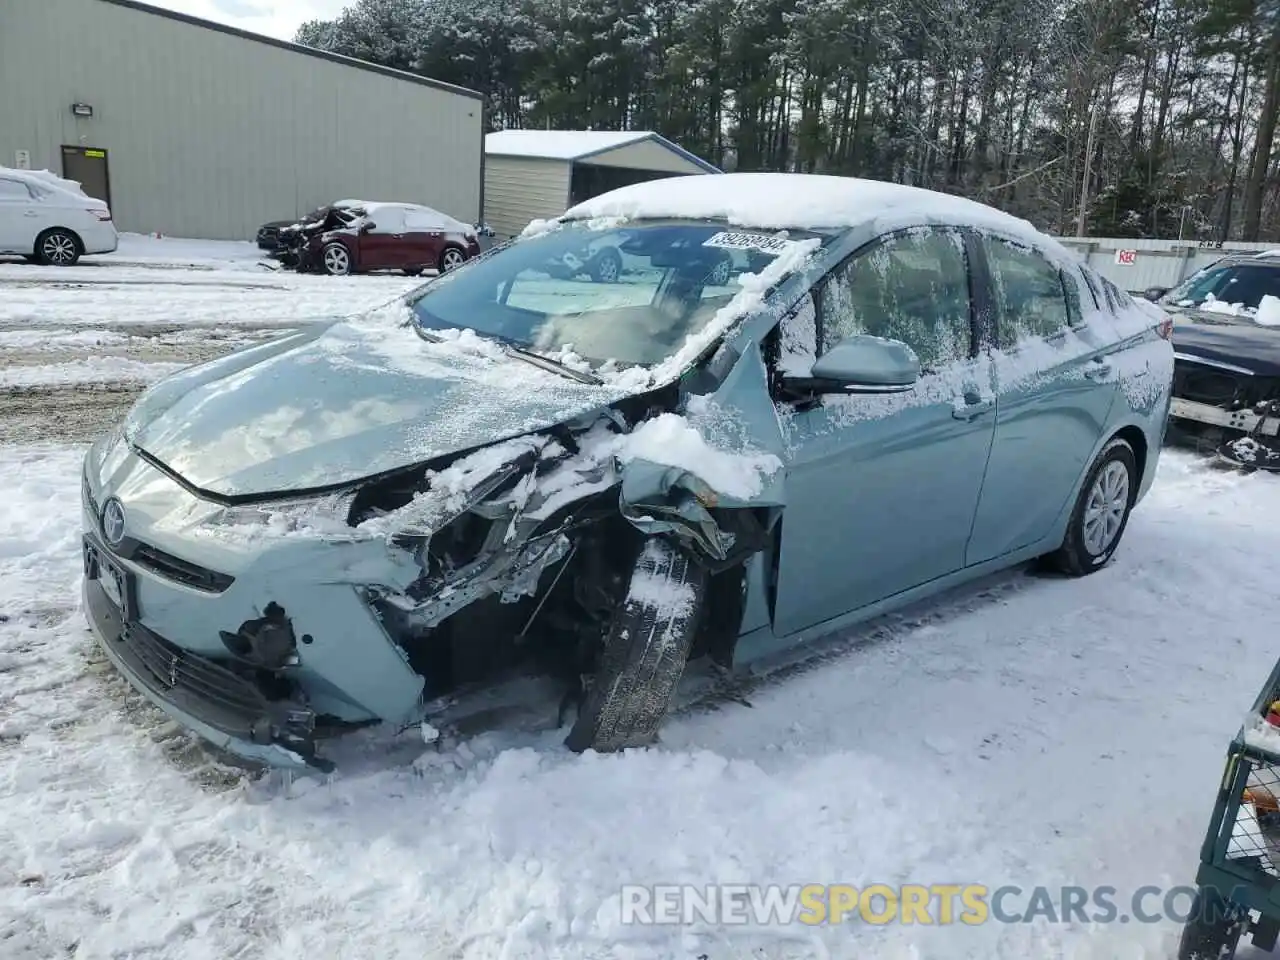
576	144
775	201
559	144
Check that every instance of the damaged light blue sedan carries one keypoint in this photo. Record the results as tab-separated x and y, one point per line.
797	402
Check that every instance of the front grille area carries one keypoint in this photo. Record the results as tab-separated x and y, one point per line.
1204	383
1210	385
162	564
174	568
230	699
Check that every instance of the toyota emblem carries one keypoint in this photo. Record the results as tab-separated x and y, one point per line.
113	522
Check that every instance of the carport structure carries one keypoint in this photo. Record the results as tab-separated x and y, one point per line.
534	174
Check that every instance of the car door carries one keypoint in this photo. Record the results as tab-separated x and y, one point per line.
424	237
382	247
881	489
18	217
1054	393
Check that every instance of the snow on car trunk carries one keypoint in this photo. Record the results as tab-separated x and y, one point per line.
1024	731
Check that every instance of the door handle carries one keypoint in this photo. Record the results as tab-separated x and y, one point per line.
1097	369
30	213
972	406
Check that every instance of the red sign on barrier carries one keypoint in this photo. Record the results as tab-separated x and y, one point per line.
1126	258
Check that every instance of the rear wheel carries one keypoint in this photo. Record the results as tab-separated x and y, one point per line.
58	248
1101	512
451	259
336	260
645	651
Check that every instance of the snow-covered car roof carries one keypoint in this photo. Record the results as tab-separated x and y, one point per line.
46	178
776	201
423	213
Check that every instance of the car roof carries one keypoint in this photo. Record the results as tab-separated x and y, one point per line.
45	179
779	201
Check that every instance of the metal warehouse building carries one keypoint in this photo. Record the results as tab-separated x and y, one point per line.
535	174
193	129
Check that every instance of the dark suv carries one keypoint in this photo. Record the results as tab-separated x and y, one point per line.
1226	335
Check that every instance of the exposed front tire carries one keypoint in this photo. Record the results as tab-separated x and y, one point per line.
58	248
1101	513
336	260
1214	930
644	655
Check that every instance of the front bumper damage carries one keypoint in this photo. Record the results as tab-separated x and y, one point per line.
214	703
304	634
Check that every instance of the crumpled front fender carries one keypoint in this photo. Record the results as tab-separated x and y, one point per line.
659	498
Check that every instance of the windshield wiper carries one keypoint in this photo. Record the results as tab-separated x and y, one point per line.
555	366
529	356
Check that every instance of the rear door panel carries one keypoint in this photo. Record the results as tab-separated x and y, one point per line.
1055	388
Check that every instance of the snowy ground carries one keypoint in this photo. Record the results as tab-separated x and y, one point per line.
1026	731
78	344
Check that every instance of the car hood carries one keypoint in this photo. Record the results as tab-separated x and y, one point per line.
1226	339
342	401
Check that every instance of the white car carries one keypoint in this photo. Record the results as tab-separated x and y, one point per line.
51	220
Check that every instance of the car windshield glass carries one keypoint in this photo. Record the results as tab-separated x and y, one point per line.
630	294
1239	283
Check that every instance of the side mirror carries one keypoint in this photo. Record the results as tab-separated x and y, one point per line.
367	227
1154	293
866	364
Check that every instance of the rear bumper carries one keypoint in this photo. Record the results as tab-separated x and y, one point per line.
100	238
202	696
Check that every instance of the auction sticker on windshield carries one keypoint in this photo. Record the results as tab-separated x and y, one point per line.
728	240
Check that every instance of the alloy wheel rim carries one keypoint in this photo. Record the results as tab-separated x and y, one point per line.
452	259
59	248
609	270
1105	509
336	260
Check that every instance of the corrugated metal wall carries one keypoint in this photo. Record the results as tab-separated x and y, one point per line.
1158	263
210	134
520	189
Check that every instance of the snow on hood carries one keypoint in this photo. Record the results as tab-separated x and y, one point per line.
345	401
793	200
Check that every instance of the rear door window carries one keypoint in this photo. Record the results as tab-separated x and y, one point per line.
1029	293
13	191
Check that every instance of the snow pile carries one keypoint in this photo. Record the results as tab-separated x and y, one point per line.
1213	305
1268	314
109	369
672	441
